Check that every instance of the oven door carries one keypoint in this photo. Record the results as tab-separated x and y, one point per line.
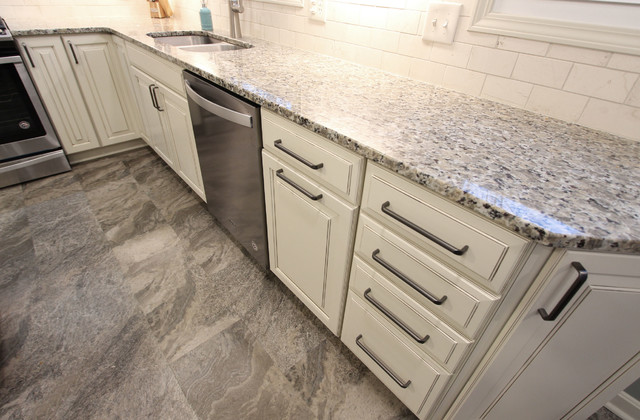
24	126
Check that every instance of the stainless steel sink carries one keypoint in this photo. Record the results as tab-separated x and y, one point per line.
195	42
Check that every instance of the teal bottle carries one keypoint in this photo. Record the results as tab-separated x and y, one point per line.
205	17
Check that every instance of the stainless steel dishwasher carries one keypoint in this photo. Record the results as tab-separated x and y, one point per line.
229	142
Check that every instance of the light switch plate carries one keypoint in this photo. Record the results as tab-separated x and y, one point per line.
442	20
318	10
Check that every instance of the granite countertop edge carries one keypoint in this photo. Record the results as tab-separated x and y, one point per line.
502	217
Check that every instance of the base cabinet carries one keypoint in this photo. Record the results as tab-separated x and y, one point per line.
569	366
310	233
167	127
83	88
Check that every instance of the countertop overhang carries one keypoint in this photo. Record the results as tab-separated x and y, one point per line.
558	183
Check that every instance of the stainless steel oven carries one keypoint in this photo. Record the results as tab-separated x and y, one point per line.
29	147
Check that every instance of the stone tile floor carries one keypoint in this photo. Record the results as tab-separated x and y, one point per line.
120	297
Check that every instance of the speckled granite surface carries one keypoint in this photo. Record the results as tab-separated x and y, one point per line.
554	182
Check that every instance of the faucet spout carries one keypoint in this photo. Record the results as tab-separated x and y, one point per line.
235	8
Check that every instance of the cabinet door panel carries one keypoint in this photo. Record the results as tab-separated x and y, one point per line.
310	241
60	93
100	80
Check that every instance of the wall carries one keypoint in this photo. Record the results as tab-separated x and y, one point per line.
598	89
23	10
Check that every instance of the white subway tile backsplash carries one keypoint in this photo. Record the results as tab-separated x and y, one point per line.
579	55
625	62
456	54
374	17
404	21
463	80
556	103
427	71
600	82
414	46
507	91
634	96
614	118
396	63
492	61
474	38
526	46
542	71
358	35
385	40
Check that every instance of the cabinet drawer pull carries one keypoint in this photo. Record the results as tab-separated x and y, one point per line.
382	365
278	145
582	277
155	97
407	280
297	187
26	50
395	319
75	58
428	235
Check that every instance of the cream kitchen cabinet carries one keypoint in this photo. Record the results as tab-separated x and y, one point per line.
83	88
571	346
165	115
311	186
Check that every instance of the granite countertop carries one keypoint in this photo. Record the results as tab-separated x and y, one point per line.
558	183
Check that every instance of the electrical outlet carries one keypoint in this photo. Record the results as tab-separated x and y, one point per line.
318	10
442	20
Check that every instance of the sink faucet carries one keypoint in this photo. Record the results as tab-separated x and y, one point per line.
235	8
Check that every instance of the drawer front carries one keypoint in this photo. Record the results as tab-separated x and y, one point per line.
406	317
156	67
313	155
483	246
402	263
362	328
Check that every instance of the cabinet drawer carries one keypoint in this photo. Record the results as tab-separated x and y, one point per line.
465	305
490	252
363	328
406	317
315	156
156	67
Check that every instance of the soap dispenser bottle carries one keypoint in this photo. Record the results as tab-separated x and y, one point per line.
205	17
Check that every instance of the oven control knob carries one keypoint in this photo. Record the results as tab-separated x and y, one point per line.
25	125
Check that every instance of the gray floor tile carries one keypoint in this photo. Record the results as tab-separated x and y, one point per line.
51	187
11	198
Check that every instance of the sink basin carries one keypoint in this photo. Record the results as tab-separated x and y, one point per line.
195	42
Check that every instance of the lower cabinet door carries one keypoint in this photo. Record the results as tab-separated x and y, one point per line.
415	379
310	234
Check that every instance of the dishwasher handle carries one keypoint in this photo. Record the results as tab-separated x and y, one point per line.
222	112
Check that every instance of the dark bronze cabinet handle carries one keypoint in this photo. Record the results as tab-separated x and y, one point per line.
153	93
579	281
26	50
73	52
428	235
395	319
407	280
382	365
297	187
278	145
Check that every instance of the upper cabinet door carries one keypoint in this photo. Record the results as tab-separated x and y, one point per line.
95	62
60	93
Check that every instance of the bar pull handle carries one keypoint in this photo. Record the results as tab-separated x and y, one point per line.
407	280
421	231
564	301
395	319
26	50
297	187
153	99
73	52
383	366
278	145
153	93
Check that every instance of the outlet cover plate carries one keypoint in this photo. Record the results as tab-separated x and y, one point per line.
318	10
442	21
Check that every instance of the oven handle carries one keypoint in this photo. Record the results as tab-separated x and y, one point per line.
12	60
220	111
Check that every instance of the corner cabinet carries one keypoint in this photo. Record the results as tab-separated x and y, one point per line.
310	219
83	89
570	347
165	114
